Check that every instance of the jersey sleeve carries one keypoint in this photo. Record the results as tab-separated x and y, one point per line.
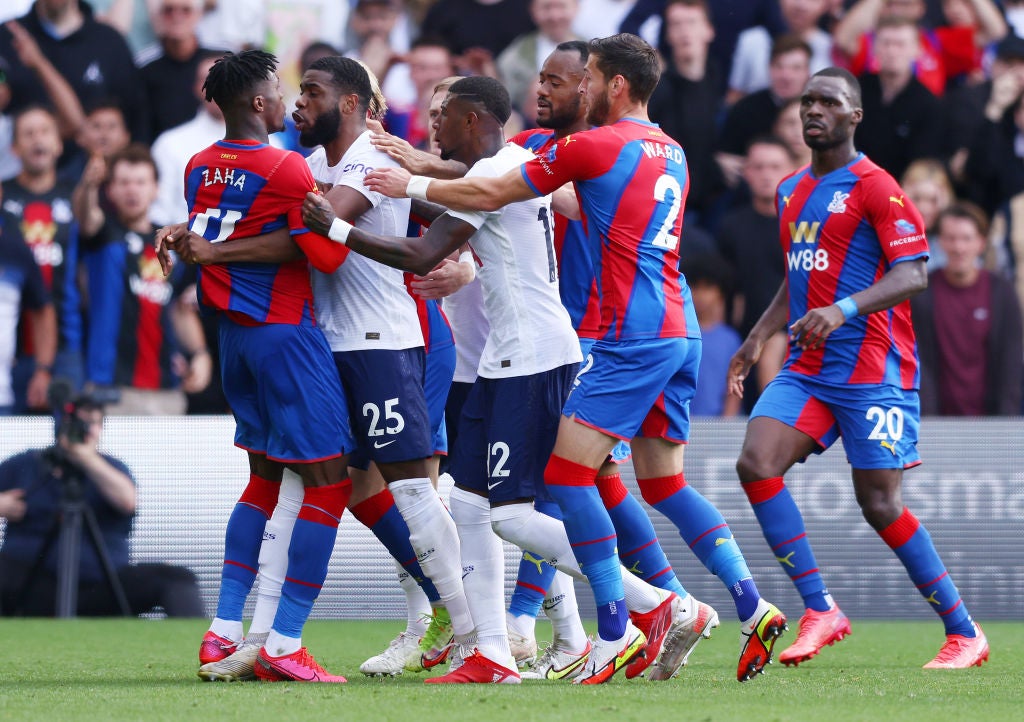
481	169
896	220
322	252
355	171
574	157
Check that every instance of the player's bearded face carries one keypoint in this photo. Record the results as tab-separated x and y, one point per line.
600	106
558	112
323	130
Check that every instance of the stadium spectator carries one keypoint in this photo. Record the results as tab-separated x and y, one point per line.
947	52
688	100
755	114
519	63
168	67
710	280
968	326
965	107
130	18
857	244
410	87
489	25
754	46
60	96
748	240
174	147
39	202
371	31
790	130
143	337
33	488
927	185
902	118
91	56
23	293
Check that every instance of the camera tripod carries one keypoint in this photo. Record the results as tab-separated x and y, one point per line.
66	532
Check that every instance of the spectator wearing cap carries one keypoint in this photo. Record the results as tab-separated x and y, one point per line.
947	52
902	120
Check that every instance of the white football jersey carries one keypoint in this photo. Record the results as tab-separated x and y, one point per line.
365	304
465	312
514	248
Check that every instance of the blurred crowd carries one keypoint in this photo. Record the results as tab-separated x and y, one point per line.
101	108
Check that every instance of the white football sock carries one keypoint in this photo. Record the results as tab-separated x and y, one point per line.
417	606
483	569
227	628
561	608
527	528
278	645
436	543
274	551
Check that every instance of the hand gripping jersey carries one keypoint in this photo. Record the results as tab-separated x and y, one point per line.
840	234
236	189
631	180
365	304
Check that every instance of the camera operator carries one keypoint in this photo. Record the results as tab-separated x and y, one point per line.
34	485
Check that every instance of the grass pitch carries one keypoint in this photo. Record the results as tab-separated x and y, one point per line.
145	670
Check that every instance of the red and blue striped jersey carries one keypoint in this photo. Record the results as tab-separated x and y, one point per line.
840	234
631	180
241	188
577	281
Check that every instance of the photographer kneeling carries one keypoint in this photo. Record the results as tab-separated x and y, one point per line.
35	488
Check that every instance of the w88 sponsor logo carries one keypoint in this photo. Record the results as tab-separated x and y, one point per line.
808	259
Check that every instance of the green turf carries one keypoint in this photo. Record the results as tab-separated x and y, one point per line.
145	670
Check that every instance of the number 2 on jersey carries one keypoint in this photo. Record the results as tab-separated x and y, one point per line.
665	238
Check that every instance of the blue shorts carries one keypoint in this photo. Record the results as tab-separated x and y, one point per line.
436	383
386	403
507	432
284	392
879	424
638	388
621	452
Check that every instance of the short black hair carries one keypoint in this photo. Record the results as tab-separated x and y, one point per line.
486	91
347	75
852	84
235	74
633	58
575	46
708	268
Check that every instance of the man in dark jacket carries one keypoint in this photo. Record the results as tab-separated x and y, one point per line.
968	327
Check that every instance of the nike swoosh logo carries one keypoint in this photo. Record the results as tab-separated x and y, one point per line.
378	445
491	486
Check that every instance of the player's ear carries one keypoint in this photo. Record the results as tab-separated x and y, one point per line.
259	103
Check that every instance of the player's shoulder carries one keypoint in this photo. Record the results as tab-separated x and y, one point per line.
507	158
533	138
363	156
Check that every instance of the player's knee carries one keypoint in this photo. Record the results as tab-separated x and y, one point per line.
880	512
752	465
508	522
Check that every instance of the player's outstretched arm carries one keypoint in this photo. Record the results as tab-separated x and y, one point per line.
416	161
464	194
417	255
903	280
771	322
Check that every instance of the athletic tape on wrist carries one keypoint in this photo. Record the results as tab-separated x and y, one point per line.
339	231
848	306
417	187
